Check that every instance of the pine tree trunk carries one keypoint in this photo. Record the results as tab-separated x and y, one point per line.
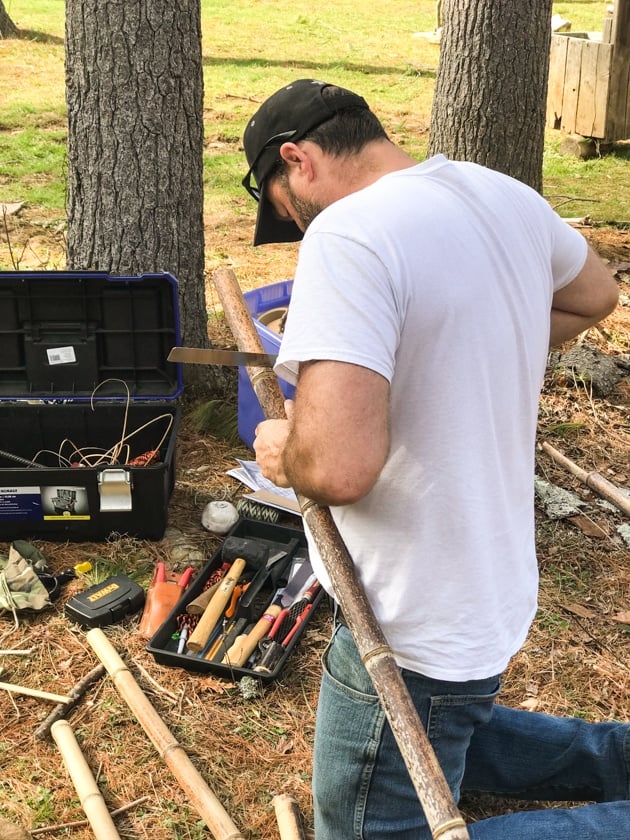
134	89
491	87
7	28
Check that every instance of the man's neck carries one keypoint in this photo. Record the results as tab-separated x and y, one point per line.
354	172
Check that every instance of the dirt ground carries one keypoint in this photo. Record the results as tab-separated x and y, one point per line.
576	659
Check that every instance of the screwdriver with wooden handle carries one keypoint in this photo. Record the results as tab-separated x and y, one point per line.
212	613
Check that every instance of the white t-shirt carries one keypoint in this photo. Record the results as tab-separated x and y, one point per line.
440	278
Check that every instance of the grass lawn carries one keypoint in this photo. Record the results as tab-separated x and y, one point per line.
249	50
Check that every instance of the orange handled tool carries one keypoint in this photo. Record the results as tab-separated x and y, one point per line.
162	596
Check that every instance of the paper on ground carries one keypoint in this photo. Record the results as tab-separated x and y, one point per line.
265	491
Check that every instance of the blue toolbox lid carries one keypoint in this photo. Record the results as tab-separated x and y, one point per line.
74	335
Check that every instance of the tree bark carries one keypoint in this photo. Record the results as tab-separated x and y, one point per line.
7	28
491	87
134	88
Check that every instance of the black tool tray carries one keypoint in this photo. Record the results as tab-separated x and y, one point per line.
252	605
82	364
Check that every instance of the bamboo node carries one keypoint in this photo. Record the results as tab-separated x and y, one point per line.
448	826
306	505
91	795
259	375
380	650
174	746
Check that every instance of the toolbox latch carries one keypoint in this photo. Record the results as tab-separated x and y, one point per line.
114	487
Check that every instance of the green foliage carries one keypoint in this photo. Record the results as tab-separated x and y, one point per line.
123	556
583	16
597	188
217	418
34	159
41	803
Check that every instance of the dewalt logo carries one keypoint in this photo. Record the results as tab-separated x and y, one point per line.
106	590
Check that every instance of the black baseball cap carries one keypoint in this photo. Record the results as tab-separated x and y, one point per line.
289	114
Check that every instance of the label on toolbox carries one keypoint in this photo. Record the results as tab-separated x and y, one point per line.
44	503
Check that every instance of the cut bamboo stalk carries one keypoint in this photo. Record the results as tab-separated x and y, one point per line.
35	692
170	751
593	480
288	817
441	812
84	782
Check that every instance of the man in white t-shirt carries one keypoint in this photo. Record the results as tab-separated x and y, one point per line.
425	300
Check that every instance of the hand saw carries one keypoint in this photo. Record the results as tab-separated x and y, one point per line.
231	358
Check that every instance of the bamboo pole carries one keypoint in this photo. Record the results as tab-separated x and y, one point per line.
172	753
84	782
441	812
288	817
35	692
593	480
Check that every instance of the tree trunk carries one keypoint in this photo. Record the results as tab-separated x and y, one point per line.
491	87
134	89
7	28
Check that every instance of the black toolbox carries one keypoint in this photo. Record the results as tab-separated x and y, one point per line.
85	393
281	587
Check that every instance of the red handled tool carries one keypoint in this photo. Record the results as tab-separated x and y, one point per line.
274	645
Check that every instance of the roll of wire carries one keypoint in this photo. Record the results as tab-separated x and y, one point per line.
249	509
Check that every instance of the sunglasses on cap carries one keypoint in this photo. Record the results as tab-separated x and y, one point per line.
277	139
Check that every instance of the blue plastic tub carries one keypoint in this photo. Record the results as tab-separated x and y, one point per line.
258	302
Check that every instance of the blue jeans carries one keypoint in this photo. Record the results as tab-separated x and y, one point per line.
362	789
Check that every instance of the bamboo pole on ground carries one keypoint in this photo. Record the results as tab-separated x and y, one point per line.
35	692
288	817
441	812
84	782
593	480
171	752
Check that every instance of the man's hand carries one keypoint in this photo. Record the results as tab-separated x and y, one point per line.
269	445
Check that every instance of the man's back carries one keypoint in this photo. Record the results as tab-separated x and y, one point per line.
440	279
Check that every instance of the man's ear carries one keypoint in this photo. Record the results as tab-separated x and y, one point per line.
297	157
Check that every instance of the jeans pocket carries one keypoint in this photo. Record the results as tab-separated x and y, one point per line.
452	720
343	667
451	713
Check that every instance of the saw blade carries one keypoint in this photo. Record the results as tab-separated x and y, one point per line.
231	358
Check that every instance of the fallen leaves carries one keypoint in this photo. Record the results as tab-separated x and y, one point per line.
578	609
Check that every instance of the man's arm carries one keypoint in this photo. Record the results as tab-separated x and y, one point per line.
585	301
334	446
